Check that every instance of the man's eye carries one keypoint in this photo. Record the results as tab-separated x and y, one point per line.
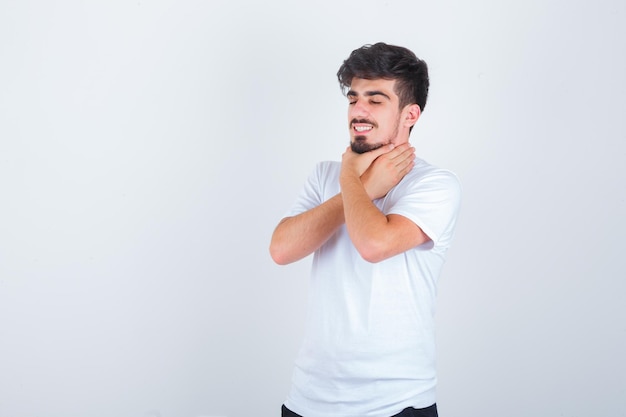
375	102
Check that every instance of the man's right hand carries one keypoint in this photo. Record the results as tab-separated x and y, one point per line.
387	170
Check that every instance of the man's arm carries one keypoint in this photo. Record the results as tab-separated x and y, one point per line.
298	236
375	235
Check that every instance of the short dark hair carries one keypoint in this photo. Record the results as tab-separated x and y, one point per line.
389	62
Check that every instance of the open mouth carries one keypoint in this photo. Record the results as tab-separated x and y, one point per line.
362	125
362	128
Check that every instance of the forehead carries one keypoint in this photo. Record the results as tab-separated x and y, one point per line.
361	86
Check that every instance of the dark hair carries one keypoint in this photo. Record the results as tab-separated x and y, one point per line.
392	63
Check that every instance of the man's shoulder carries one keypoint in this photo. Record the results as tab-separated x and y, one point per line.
328	168
424	171
329	165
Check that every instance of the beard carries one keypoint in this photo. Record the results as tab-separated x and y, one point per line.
360	145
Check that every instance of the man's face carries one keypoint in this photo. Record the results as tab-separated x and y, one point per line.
373	115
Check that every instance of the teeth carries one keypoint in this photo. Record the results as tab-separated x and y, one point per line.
362	128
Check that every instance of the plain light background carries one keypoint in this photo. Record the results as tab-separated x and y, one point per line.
148	148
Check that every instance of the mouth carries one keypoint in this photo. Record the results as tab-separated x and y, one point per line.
362	126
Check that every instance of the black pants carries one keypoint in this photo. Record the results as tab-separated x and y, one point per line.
407	412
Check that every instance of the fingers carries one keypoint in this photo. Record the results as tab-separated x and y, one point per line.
401	155
399	158
405	157
383	150
406	164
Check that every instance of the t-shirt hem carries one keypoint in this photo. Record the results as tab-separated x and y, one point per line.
426	399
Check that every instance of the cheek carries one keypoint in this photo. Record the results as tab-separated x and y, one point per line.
388	120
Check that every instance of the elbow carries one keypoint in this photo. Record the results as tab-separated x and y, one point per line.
372	252
372	258
279	250
279	254
279	257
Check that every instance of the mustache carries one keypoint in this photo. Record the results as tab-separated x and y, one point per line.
353	121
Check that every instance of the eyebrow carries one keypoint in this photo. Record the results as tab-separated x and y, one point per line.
353	93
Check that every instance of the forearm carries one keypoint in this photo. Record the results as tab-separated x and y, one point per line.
299	236
365	223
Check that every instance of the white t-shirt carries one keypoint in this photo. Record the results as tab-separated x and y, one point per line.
369	347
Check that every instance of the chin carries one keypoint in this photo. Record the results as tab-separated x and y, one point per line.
360	145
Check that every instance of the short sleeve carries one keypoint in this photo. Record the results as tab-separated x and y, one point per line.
432	202
311	194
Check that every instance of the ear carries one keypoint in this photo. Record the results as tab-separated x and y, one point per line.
412	113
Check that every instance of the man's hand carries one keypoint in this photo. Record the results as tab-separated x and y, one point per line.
387	169
353	163
375	235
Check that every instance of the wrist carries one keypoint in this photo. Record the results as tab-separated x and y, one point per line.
348	176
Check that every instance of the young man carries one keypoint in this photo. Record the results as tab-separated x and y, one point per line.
380	223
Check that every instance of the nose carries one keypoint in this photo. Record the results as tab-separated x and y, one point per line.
358	110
